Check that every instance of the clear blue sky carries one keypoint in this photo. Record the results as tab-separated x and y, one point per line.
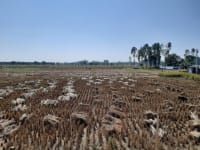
71	30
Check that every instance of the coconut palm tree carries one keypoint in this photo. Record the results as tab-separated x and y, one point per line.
187	52
146	49
149	53
193	50
140	55
165	51
156	49
133	52
169	45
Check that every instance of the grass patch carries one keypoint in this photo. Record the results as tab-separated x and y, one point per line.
148	71
19	68
177	74
171	74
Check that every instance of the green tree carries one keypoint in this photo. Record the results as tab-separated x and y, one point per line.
143	55
187	52
133	52
156	47
150	56
169	45
140	55
166	50
189	57
193	50
147	54
173	60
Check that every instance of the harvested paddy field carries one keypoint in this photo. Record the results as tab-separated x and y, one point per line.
98	109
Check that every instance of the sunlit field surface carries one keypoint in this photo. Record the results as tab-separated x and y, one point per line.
97	108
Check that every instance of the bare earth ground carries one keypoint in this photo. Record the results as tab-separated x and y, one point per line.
97	109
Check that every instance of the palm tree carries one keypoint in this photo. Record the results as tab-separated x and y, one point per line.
133	52
156	47
169	45
146	49
140	55
187	52
193	51
165	51
149	53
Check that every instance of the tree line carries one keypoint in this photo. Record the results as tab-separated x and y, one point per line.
149	56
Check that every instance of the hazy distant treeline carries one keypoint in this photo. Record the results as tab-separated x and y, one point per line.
83	62
27	63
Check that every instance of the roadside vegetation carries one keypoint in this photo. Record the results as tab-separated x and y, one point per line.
182	74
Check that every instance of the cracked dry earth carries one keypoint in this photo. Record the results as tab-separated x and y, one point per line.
98	109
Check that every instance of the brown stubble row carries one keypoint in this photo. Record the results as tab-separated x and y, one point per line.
95	101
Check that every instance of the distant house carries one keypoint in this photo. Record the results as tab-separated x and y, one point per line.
106	62
170	67
192	69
